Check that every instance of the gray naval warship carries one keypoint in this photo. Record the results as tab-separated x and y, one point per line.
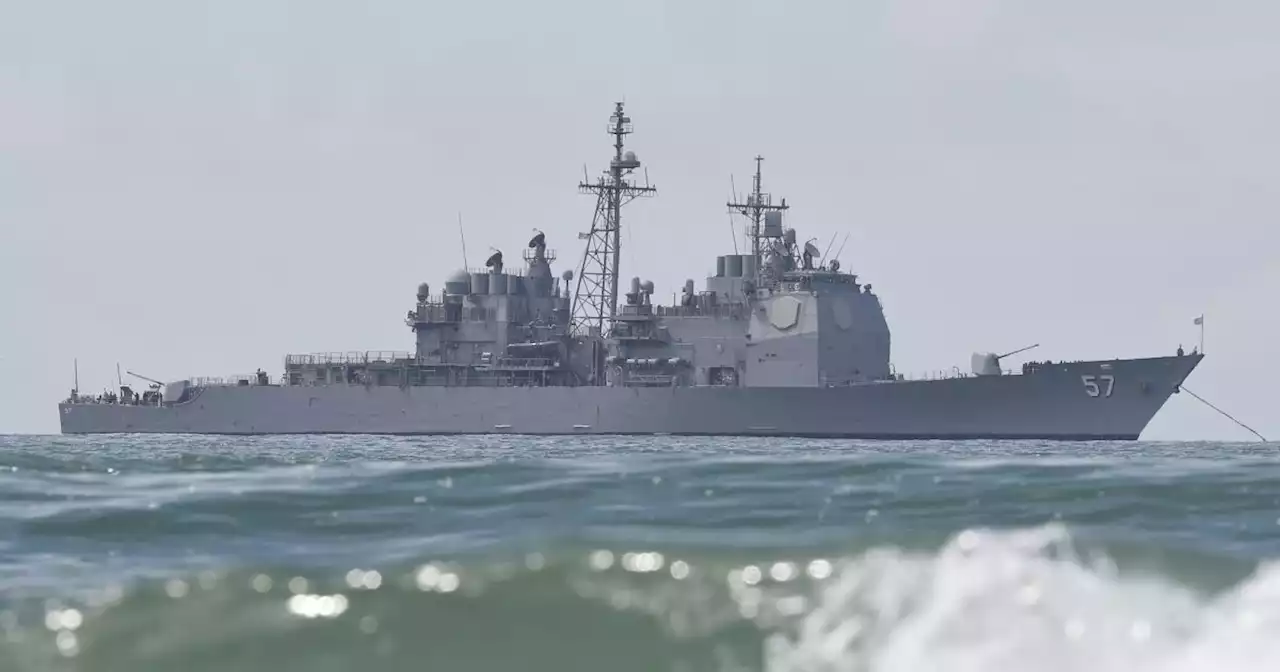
780	342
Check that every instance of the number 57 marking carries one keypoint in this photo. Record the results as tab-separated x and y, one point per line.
1093	389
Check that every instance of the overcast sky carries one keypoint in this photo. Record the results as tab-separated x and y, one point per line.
198	188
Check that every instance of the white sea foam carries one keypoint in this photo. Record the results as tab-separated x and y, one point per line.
1023	601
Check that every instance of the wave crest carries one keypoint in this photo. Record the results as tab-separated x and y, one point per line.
1024	600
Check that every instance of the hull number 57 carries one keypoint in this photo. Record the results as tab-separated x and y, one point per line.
1098	386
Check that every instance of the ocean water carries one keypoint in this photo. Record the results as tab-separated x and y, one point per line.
513	553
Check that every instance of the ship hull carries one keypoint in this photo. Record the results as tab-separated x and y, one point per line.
1103	400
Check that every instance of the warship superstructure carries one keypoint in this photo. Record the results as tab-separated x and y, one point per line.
780	341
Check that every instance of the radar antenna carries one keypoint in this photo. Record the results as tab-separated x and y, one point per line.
595	301
758	203
810	253
494	261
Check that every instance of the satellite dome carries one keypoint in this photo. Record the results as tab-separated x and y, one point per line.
460	275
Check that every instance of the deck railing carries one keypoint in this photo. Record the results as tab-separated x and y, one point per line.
520	363
231	381
723	311
339	358
949	374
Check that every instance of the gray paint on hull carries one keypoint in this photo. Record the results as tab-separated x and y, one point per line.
1051	404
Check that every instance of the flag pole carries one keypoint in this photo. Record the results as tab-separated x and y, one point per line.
1201	321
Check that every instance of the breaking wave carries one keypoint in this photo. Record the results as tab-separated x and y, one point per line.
1029	599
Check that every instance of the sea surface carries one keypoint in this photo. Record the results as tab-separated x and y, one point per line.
625	554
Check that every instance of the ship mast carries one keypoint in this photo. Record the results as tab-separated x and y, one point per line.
758	203
595	302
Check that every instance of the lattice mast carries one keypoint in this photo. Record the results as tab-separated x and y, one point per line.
758	203
595	302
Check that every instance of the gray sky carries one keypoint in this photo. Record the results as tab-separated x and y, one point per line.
199	188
